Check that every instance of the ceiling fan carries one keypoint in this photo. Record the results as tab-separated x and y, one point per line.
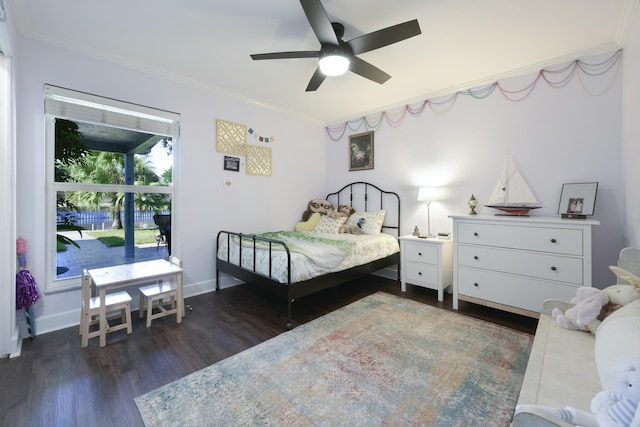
337	56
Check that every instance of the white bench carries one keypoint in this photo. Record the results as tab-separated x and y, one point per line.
568	368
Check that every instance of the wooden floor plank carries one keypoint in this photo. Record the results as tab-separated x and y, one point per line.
55	382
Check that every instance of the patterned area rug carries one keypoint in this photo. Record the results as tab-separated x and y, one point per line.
382	360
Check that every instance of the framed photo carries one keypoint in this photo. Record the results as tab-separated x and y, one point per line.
578	200
231	163
361	151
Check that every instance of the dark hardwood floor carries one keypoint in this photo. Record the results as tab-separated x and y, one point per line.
56	383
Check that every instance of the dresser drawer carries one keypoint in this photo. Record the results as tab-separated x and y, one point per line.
421	253
420	273
537	265
515	291
532	238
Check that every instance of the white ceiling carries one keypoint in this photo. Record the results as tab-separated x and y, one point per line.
464	44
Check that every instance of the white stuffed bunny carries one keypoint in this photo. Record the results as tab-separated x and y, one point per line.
620	409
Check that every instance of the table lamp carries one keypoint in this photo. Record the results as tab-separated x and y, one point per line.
428	195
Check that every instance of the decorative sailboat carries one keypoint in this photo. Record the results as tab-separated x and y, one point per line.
512	195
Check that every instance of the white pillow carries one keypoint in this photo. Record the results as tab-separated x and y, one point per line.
617	340
372	221
329	225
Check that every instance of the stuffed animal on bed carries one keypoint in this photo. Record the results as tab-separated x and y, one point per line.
347	211
355	228
323	207
315	209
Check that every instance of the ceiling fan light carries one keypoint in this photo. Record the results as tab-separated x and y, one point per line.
334	65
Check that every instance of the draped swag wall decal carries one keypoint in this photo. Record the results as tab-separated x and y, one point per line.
556	78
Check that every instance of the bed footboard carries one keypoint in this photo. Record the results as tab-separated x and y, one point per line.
254	239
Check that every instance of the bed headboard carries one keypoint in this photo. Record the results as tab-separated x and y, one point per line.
364	196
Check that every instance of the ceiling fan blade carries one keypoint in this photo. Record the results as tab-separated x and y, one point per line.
319	21
316	80
384	37
366	70
286	55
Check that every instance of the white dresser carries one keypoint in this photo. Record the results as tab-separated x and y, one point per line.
426	263
515	263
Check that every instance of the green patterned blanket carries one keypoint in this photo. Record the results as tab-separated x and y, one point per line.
322	251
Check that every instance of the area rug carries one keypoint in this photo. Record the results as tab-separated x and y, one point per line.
382	360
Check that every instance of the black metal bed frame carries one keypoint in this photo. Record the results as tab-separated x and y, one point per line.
389	201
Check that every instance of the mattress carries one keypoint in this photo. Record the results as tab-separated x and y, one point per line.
312	254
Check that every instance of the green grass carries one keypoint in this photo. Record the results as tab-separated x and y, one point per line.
116	237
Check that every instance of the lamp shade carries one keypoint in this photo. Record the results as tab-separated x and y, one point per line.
427	194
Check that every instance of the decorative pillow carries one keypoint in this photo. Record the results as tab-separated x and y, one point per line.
617	340
329	225
369	222
310	223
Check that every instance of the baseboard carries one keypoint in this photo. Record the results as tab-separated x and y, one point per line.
16	343
71	318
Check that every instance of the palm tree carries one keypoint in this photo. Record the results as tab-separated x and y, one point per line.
101	167
145	175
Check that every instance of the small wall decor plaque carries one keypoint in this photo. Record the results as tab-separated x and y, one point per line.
231	163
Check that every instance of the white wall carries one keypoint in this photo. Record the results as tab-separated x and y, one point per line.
556	136
203	206
631	136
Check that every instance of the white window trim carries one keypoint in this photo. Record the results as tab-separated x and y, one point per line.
72	105
10	342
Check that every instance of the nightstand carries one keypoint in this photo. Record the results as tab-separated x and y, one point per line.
426	263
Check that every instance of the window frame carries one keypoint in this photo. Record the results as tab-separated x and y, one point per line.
167	125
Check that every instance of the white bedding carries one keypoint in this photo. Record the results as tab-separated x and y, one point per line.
358	250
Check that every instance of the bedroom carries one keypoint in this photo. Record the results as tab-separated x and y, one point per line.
556	136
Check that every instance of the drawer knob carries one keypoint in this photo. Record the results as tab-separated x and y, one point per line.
419	253
553	240
475	234
475	257
553	269
476	284
419	273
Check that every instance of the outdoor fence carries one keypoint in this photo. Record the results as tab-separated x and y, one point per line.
102	220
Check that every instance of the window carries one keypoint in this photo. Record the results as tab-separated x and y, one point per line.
109	170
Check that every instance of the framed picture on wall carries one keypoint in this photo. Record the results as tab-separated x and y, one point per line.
361	151
578	200
231	163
